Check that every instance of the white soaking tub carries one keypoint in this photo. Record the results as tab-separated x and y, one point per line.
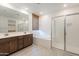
41	39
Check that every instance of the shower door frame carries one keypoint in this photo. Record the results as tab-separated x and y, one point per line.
53	18
55	30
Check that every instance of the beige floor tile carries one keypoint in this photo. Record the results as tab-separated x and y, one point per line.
35	50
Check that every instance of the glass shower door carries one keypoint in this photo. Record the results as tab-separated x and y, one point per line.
72	33
58	33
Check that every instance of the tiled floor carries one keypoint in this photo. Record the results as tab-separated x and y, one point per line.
35	50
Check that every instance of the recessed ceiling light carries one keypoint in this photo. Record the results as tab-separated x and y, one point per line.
65	5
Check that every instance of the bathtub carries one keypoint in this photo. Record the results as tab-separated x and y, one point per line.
42	39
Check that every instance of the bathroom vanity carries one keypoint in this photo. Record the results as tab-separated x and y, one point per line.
13	43
13	27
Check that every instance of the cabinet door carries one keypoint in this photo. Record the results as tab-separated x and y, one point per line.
20	42
28	40
13	44
4	47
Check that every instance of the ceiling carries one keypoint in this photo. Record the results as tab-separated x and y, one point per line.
44	8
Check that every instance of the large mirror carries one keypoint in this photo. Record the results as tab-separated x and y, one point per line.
13	21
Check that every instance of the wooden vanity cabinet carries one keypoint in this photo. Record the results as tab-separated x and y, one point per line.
28	40
4	46
13	44
20	42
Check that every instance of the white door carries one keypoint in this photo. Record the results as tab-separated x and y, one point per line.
58	33
72	33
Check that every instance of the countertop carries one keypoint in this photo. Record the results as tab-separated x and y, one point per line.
13	34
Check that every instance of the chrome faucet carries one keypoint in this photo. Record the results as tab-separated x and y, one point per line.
6	34
24	32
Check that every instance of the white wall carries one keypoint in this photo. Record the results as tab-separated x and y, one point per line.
45	24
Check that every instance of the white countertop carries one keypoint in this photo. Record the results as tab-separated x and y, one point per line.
13	34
